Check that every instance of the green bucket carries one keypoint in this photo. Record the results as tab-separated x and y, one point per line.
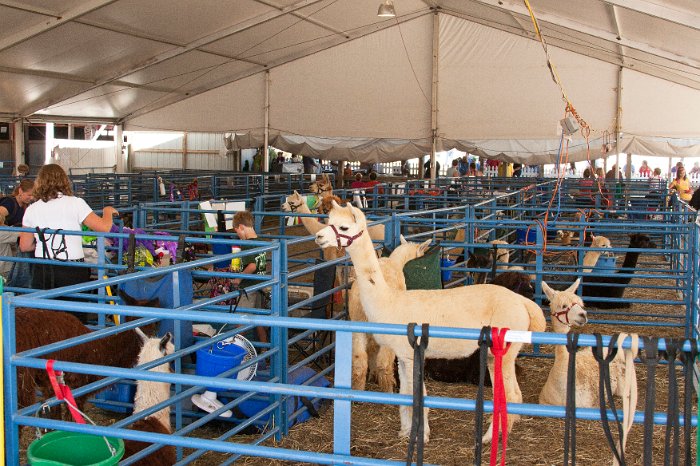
74	449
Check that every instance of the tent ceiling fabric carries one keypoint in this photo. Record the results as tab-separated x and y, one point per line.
345	84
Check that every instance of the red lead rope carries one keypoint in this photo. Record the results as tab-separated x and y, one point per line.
500	408
63	391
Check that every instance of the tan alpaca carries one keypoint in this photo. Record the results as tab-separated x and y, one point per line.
567	310
591	257
295	203
472	306
366	353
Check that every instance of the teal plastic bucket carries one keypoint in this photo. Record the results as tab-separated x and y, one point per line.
215	359
74	449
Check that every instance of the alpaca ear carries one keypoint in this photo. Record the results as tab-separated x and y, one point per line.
335	204
163	345
296	193
550	293
573	287
424	246
142	336
402	239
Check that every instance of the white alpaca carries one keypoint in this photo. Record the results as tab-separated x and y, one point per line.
150	393
469	306
567	310
365	351
591	257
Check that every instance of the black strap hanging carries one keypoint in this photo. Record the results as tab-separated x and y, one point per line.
688	359
605	393
651	360
180	249
570	419
415	439
45	255
131	254
494	260
671	439
220	222
484	345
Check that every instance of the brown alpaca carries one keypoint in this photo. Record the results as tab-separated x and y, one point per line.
35	328
149	393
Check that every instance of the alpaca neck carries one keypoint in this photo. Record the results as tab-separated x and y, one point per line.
311	224
401	256
150	393
630	261
369	276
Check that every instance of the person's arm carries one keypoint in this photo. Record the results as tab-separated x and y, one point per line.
249	269
26	241
104	223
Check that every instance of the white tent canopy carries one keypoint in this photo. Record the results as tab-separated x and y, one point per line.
328	78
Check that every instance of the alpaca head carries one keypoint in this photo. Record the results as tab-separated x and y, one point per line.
519	282
327	204
600	242
322	187
293	202
478	261
155	348
641	241
407	250
566	307
565	237
345	225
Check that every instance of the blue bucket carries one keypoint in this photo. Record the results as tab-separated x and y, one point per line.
219	249
220	359
523	235
444	263
605	264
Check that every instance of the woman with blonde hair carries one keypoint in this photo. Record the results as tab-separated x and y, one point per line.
13	207
58	209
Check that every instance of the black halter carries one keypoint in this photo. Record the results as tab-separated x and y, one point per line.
293	207
350	239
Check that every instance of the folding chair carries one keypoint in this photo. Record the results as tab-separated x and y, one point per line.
307	342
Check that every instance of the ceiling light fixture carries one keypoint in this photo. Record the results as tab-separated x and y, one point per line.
386	9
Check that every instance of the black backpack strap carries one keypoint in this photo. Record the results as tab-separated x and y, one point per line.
570	419
484	344
651	360
671	439
605	393
688	359
415	439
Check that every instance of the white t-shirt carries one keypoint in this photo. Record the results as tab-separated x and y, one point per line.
65	213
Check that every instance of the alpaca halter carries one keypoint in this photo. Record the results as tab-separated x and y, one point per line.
565	312
322	190
293	207
350	239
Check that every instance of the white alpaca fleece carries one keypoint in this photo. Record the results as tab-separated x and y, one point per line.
472	306
365	351
591	257
567	310
150	393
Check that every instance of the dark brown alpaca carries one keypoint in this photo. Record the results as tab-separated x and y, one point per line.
35	328
166	456
327	204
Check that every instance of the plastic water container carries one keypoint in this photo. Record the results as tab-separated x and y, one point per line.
447	274
117	397
73	448
605	264
215	359
220	249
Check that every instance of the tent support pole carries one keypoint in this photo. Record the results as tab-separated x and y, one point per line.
119	149
434	101
618	124
18	142
265	159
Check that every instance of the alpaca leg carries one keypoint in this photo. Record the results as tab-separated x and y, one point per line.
359	361
385	369
406	412
405	388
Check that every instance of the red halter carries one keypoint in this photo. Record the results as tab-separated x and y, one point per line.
350	239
